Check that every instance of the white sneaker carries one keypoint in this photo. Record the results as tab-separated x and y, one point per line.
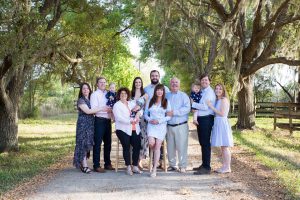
128	171
182	170
153	174
136	170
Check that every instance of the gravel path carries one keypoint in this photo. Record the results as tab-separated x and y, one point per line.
70	183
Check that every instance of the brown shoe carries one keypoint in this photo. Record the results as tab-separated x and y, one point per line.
109	167
99	170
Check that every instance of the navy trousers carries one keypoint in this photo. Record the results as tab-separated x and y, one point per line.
102	133
204	134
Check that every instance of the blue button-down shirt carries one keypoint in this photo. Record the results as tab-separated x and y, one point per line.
181	106
149	90
207	94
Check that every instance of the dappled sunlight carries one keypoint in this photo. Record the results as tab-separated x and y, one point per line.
278	150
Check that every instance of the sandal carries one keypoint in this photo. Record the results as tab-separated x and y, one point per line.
85	170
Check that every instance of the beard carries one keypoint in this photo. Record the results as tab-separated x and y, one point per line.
154	81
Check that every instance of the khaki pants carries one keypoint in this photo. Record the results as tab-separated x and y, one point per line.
177	140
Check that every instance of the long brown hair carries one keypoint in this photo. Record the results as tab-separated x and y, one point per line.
80	90
133	87
164	101
225	94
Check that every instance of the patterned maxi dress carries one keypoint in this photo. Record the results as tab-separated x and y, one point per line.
84	133
144	152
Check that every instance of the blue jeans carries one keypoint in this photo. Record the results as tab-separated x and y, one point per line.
204	133
102	133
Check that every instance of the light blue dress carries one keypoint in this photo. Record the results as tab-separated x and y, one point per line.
159	113
221	132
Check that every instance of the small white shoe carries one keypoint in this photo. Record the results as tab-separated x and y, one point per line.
136	170
182	170
128	171
153	173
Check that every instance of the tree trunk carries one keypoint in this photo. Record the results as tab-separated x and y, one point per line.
8	130
246	109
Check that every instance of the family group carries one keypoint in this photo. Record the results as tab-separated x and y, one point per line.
145	117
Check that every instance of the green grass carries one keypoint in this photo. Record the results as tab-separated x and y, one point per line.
42	143
275	149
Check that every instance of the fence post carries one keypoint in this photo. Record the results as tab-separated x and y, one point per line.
275	120
290	119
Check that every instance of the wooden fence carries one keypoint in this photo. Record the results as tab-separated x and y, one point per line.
290	111
262	109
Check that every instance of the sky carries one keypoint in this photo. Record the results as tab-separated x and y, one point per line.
145	68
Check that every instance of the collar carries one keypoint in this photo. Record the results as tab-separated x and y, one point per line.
101	90
205	89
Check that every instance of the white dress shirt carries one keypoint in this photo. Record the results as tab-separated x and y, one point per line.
98	99
149	90
203	109
123	119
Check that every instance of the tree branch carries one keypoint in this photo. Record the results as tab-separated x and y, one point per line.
288	20
219	8
6	65
268	26
282	60
122	31
70	60
286	91
257	19
56	15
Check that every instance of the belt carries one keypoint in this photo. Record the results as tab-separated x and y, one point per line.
177	124
102	118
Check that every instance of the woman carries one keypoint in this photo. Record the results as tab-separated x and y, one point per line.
127	129
139	96
221	132
84	128
156	116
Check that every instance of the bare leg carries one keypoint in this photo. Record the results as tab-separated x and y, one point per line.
156	151
226	159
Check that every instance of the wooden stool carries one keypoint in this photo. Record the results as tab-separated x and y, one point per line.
164	157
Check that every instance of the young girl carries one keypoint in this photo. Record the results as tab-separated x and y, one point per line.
195	97
156	116
221	132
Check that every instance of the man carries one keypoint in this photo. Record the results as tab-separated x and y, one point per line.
178	130
154	77
149	90
205	122
102	126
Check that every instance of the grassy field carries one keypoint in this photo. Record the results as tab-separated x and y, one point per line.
42	142
275	149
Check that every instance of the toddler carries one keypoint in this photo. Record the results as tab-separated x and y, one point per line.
195	97
111	97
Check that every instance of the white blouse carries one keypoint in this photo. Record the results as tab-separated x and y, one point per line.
122	117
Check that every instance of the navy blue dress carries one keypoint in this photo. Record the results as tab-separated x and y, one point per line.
84	133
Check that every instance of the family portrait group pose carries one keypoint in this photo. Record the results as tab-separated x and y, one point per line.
145	117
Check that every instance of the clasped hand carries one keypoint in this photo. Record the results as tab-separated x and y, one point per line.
154	121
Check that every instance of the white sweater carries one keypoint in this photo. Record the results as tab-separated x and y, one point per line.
122	117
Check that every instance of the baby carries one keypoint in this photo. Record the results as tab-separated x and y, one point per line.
195	97
139	102
111	97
